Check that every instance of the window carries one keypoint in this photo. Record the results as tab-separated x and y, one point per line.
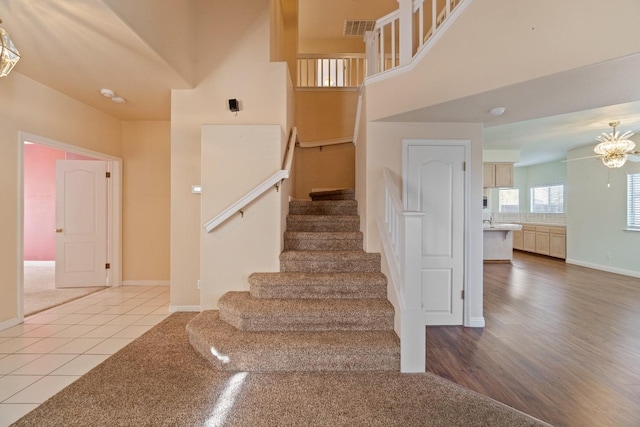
547	199
633	201
509	200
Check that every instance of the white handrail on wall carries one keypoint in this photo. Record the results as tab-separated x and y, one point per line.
401	236
259	189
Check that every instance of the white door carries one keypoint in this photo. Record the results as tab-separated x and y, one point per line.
435	185
81	223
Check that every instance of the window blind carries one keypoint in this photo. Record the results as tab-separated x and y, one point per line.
547	199
633	201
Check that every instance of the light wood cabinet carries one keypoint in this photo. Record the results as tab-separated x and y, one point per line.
518	239
544	240
558	242
497	175
529	238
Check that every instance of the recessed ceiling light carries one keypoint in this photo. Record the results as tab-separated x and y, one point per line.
107	93
497	111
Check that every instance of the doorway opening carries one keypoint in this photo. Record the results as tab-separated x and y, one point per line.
49	251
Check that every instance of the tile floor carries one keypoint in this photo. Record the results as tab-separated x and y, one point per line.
52	349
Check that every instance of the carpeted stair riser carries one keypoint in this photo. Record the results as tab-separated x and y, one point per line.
292	351
329	261
254	314
326	310
318	285
342	194
322	241
323	223
341	207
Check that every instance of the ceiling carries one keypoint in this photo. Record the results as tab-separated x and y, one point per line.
80	46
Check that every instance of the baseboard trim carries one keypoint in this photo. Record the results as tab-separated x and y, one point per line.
39	263
606	268
9	323
145	283
475	322
177	308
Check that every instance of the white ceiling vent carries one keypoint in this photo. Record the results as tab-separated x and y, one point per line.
358	27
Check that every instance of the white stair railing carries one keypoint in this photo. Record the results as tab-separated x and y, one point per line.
401	236
331	70
402	34
274	180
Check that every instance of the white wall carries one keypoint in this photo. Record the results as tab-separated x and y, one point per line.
596	215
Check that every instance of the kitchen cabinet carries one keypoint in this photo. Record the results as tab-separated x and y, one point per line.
529	238
497	175
558	242
540	239
518	239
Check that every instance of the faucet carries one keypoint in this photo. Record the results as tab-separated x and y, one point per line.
490	220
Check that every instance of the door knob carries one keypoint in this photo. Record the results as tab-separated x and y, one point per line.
58	230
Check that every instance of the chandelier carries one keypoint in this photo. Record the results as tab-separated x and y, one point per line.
613	147
9	55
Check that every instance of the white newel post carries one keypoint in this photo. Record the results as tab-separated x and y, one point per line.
405	11
371	41
413	339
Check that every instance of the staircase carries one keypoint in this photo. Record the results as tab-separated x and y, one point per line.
326	310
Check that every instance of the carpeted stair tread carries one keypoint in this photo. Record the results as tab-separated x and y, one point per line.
318	285
239	309
323	240
323	223
338	194
323	207
329	261
292	351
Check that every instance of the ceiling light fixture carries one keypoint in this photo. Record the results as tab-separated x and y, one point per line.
613	147
9	55
497	111
108	93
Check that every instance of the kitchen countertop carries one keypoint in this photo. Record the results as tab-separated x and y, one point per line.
501	227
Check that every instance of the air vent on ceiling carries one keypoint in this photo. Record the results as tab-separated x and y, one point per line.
358	27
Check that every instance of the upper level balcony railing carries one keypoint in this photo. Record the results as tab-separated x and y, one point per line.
400	35
334	70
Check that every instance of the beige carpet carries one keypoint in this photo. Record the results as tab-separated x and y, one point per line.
159	380
40	292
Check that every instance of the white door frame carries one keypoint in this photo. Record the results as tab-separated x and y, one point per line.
466	144
114	220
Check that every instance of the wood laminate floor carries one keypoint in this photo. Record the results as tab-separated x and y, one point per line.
561	343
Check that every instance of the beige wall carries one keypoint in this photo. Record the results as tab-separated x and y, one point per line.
245	243
332	166
31	107
325	115
146	151
233	51
496	43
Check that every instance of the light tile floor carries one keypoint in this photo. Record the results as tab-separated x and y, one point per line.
52	349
